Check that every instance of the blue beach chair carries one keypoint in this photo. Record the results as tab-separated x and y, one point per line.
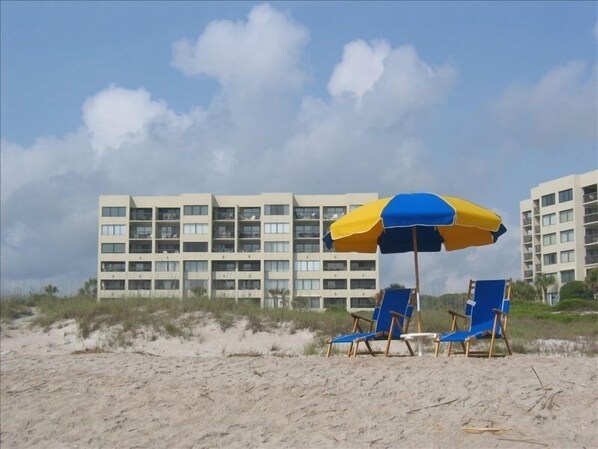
486	316
392	321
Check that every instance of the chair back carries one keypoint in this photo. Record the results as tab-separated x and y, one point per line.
394	300
487	295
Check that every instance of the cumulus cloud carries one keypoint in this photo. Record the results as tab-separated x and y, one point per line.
262	52
559	109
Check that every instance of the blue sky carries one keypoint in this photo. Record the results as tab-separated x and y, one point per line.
482	100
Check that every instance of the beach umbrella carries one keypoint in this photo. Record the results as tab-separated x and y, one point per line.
414	222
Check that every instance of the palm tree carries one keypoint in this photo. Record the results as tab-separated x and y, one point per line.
543	281
51	290
280	296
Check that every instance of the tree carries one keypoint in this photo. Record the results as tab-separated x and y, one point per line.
50	290
575	290
280	297
89	289
396	285
543	282
592	280
523	291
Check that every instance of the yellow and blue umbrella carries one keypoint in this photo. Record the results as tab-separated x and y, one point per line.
417	222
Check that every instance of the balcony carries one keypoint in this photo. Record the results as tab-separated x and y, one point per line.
527	222
527	239
307	235
249	235
591	218
169	216
140	235
528	274
590	260
527	257
590	197
590	239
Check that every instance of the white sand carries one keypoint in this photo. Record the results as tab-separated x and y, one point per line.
185	395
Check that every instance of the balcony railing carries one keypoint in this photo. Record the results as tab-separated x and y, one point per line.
591	259
589	239
589	197
527	222
141	235
528	274
527	239
590	218
249	235
165	216
527	257
307	235
307	216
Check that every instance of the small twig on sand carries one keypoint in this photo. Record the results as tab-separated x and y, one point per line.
332	437
523	441
206	395
539	380
434	405
482	429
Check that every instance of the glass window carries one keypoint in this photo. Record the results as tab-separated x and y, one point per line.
333	213
335	265
249	284
276	247
307	284
108	248
225	213
567	236
140	266
200	284
332	302
307	247
307	265
250	231
140	284
309	231
114	211
249	213
169	213
112	284
366	303
567	276
141	213
335	284
548	219
276	209
276	228
249	265
195	228
166	265
363	265
567	256
365	284
114	229
141	232
195	210
276	265
549	239
224	266
113	266
140	248
195	247
307	213
195	266
548	200
166	284
276	284
565	195
566	215
550	259
223	284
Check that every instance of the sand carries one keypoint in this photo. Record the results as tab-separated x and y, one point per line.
251	393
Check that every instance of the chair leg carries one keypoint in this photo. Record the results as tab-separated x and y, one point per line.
467	348
437	349
450	349
355	347
409	348
329	349
367	343
350	351
388	345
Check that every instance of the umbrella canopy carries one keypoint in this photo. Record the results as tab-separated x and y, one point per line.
414	222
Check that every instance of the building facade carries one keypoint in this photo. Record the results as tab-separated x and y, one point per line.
559	224
266	249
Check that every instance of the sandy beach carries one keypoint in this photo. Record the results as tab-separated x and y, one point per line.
168	395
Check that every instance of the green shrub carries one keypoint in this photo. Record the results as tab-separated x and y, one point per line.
575	289
577	305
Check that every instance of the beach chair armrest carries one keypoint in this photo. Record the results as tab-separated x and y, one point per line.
460	315
398	314
359	317
500	312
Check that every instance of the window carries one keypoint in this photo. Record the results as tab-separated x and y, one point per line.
113	266
192	284
565	195
548	219
195	247
276	209
567	236
307	248
140	266
223	266
166	284
250	231
141	232
307	213
307	284
333	213
550	259
566	216
363	265
335	284
249	247
567	256
140	248
225	213
168	232
169	213
307	265
113	284
114	230
310	231
114	211
249	265
249	284
168	248
335	302
167	266
311	302
276	228
335	265
366	303
548	200
276	247
140	284
195	228
276	266
223	284
276	284
549	239
195	210
108	248
141	213
567	276
249	213
195	266
363	284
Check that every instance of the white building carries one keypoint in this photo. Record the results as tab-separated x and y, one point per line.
559	225
232	247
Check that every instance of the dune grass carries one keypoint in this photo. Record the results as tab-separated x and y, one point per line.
128	318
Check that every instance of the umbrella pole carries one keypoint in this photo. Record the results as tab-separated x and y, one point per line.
419	318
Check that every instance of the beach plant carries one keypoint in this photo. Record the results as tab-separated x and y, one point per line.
543	282
575	289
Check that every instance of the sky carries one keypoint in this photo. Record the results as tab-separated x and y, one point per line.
482	100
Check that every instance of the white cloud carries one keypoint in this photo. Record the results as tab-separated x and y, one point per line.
361	67
261	53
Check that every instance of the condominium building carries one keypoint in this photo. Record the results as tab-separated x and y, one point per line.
559	225
266	249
